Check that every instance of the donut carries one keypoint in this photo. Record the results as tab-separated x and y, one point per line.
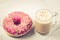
17	24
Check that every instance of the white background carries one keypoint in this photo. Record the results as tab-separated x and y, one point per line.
30	7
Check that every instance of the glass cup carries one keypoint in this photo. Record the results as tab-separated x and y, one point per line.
43	21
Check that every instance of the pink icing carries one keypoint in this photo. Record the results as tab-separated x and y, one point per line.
17	23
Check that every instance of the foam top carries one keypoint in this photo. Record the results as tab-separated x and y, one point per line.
44	15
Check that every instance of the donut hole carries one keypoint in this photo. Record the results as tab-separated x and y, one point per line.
17	21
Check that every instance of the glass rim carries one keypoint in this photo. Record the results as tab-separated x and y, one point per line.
46	10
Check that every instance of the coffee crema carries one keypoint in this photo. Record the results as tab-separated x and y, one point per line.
44	15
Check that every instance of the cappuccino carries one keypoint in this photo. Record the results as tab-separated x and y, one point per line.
43	21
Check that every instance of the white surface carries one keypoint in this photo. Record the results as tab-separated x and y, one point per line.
30	7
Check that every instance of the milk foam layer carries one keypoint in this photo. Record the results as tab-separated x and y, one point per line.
44	15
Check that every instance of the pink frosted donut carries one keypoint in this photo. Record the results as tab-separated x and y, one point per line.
17	24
